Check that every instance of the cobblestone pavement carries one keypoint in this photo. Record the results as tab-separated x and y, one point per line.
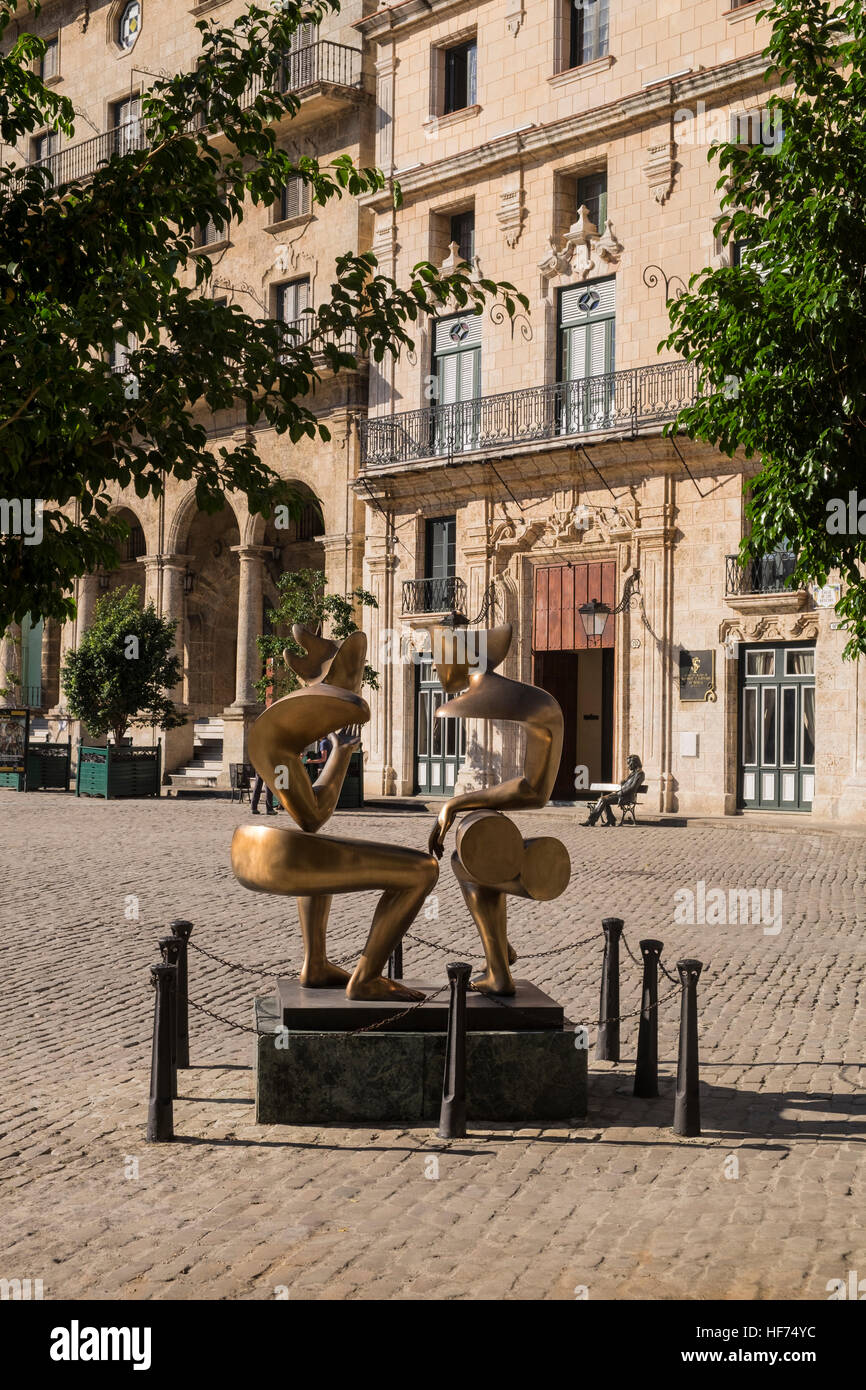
615	1203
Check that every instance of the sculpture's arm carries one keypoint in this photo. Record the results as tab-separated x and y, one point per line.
508	795
311	804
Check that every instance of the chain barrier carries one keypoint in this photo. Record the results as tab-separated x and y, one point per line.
445	950
534	955
230	1023
392	1018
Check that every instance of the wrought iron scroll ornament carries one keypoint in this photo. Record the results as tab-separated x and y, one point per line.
498	316
651	276
221	284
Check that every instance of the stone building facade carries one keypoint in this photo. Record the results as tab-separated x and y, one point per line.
521	470
216	574
515	470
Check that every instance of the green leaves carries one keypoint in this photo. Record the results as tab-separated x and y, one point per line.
303	598
780	338
123	668
106	256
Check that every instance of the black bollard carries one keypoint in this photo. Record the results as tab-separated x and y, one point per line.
160	1116
452	1116
169	949
607	1044
395	962
646	1072
182	930
687	1109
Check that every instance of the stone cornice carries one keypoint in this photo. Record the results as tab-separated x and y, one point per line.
403	16
531	469
600	124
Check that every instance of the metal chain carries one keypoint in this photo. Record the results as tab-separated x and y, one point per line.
392	1018
673	979
630	951
534	955
290	974
242	1027
230	965
601	1022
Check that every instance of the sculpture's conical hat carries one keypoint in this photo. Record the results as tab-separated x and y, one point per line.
461	652
318	653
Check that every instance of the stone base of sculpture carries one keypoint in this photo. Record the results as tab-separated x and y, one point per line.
330	1074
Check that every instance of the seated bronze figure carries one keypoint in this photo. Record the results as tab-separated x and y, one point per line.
492	860
312	867
628	788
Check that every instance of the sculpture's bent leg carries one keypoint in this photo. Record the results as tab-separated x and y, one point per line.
317	972
396	909
271	859
488	907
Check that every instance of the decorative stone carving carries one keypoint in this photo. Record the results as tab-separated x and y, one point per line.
454	260
510	213
515	17
586	252
508	537
659	169
781	627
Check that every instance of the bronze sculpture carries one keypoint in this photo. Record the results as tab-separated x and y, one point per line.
310	867
492	860
633	780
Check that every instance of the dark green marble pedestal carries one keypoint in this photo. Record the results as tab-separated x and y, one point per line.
344	1078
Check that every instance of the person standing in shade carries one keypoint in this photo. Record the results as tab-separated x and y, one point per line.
258	785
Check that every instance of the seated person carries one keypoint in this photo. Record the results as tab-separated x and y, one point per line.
633	780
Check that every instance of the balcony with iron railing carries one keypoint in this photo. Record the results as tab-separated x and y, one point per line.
766	575
324	65
761	585
620	402
433	596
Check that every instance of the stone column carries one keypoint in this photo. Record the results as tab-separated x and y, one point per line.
243	709
88	594
248	668
177	744
152	565
380	775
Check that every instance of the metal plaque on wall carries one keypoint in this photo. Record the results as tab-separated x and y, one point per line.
697	675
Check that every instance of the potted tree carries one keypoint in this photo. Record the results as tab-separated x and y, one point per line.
117	679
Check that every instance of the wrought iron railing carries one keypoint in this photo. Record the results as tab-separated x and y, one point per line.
433	595
323	62
627	400
766	575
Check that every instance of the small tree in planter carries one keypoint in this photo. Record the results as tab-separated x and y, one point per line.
303	599
122	668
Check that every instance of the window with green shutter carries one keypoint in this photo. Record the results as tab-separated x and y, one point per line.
587	324
457	367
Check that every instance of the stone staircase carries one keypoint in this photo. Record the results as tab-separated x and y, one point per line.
202	771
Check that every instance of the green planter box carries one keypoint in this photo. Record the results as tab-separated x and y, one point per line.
118	772
48	766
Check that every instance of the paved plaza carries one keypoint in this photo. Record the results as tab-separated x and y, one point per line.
767	1204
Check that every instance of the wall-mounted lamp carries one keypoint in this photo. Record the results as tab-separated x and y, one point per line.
188	581
594	615
104	581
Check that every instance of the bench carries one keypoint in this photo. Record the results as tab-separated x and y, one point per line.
626	807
